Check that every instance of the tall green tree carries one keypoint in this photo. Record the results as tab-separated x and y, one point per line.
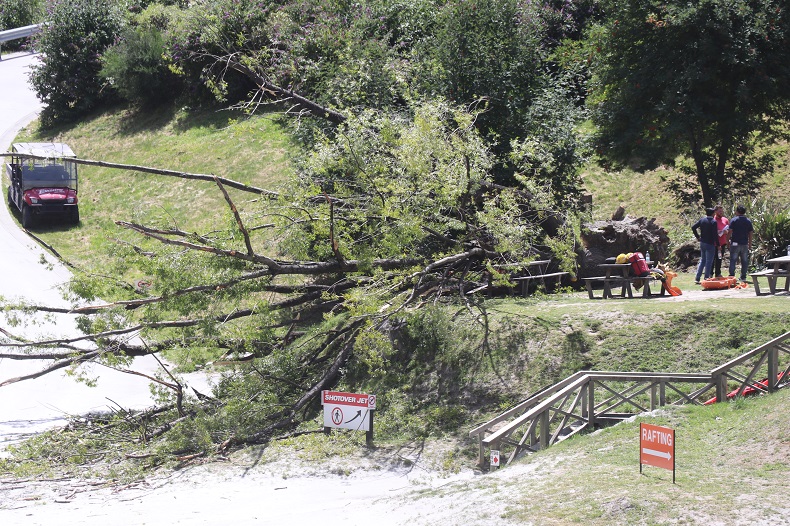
19	13
709	80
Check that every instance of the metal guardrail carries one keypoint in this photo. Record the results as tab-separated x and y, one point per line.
17	33
590	399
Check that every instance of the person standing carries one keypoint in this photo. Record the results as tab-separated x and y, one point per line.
722	227
708	236
740	236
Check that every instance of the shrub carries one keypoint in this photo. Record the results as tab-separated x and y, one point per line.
71	44
771	229
20	13
134	67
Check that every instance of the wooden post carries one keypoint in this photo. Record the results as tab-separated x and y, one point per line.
773	368
721	387
652	398
591	404
369	434
544	429
583	403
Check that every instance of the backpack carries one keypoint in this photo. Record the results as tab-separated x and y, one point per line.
639	265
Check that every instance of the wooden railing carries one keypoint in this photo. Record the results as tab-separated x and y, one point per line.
590	399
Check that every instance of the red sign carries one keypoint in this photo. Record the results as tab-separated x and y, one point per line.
352	399
657	446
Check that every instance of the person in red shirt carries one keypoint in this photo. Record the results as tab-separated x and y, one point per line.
722	225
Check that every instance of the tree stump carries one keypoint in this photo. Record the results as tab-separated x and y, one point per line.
607	239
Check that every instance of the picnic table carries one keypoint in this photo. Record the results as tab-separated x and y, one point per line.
779	268
617	275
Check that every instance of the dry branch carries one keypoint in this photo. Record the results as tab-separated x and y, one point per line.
54	367
159	171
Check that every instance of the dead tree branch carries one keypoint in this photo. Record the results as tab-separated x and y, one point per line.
244	232
159	171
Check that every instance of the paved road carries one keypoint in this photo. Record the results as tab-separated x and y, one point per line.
33	405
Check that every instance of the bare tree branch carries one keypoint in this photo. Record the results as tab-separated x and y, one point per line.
159	171
53	367
250	251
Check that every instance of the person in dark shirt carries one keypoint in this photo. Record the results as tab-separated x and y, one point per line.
706	232
740	237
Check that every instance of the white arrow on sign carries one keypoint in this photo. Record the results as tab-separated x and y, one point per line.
662	454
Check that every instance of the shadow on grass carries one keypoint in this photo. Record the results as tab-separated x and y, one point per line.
147	119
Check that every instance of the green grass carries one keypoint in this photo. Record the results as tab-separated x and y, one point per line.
732	467
249	150
642	194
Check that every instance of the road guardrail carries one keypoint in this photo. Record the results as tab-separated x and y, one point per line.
17	33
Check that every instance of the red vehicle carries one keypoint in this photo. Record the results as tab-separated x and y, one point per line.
44	186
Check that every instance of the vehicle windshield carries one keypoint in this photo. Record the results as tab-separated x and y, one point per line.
50	173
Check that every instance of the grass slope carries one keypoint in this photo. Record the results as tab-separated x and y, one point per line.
733	460
249	150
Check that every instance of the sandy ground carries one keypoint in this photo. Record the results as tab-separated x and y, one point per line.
241	493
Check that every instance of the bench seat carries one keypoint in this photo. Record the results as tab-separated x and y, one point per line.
625	285
524	280
772	277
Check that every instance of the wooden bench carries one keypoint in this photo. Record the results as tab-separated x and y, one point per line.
525	280
515	271
772	277
626	286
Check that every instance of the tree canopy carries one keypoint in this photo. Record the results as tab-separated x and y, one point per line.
707	79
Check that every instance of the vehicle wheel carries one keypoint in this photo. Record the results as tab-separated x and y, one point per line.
75	215
27	217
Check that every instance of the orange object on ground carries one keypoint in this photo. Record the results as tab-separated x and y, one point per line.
719	283
668	276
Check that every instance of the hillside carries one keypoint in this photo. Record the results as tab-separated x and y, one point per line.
464	372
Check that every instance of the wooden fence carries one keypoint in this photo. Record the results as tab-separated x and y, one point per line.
590	399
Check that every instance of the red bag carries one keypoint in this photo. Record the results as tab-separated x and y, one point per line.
639	265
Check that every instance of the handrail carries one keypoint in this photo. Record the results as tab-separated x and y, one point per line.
17	33
742	358
543	418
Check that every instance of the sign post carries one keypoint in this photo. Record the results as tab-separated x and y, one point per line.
657	447
495	458
349	411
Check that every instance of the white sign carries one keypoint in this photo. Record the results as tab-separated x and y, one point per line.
495	458
347	410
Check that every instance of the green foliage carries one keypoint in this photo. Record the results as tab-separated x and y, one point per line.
408	186
135	66
19	13
707	80
771	229
67	80
552	148
488	51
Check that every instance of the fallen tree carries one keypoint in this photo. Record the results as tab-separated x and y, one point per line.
393	215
